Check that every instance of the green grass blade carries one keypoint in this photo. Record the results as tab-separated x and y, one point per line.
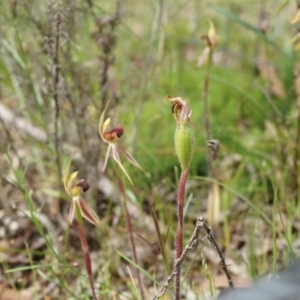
233	17
138	267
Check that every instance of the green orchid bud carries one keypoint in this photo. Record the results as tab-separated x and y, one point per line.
184	143
185	133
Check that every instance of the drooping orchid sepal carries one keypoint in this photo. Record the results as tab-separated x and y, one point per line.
110	137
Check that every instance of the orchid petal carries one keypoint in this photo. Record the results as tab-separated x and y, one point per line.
66	176
71	213
105	124
68	180
117	159
106	157
130	158
90	215
102	123
203	57
71	178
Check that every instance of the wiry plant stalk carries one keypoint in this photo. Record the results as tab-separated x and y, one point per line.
106	40
296	155
57	21
87	258
160	238
213	194
206	111
192	244
184	147
296	160
179	231
130	232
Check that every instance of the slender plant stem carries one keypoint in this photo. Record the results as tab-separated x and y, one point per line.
206	111
55	91
160	238
130	232
192	244
296	156
274	232
213	241
179	232
213	197
85	248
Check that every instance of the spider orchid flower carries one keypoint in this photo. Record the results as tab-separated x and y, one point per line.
211	39
78	204
110	137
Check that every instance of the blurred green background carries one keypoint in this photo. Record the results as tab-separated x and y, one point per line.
61	61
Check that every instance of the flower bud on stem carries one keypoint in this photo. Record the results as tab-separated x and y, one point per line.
184	144
184	148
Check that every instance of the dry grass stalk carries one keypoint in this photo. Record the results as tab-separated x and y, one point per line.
192	244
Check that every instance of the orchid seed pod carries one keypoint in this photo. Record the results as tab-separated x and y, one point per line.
185	133
184	144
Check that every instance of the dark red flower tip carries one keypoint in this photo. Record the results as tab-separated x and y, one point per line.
119	131
116	132
84	185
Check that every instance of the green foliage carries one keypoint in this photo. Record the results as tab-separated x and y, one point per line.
155	54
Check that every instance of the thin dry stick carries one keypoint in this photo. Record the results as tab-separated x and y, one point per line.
58	21
179	231
206	111
160	238
87	257
192	244
130	232
296	155
106	40
213	197
213	241
296	158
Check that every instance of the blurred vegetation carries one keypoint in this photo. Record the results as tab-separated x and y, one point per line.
134	53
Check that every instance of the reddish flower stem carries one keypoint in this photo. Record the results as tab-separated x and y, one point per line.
87	258
130	232
179	232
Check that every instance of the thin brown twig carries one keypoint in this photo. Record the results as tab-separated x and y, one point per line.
87	258
213	241
192	244
160	238
130	232
206	111
213	194
106	40
296	158
58	21
179	231
296	155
